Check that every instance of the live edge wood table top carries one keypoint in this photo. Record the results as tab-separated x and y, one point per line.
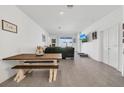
33	57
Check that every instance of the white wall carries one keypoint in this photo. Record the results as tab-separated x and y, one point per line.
78	43
28	37
93	48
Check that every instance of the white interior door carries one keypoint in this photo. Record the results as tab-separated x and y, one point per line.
122	59
113	47
105	47
110	46
121	65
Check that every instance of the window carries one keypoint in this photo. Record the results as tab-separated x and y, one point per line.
65	42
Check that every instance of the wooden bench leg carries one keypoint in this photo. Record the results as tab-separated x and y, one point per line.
54	74
51	75
20	75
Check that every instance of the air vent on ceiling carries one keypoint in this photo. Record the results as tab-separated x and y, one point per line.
70	6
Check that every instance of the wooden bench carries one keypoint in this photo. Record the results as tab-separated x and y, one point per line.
31	62
22	69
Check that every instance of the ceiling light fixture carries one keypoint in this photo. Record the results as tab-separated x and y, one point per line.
59	27
61	12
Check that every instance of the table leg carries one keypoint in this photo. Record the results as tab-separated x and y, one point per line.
20	75
54	74
17	76
51	75
55	71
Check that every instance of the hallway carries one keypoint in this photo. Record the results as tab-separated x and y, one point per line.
82	72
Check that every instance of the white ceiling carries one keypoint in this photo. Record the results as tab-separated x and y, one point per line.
72	21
